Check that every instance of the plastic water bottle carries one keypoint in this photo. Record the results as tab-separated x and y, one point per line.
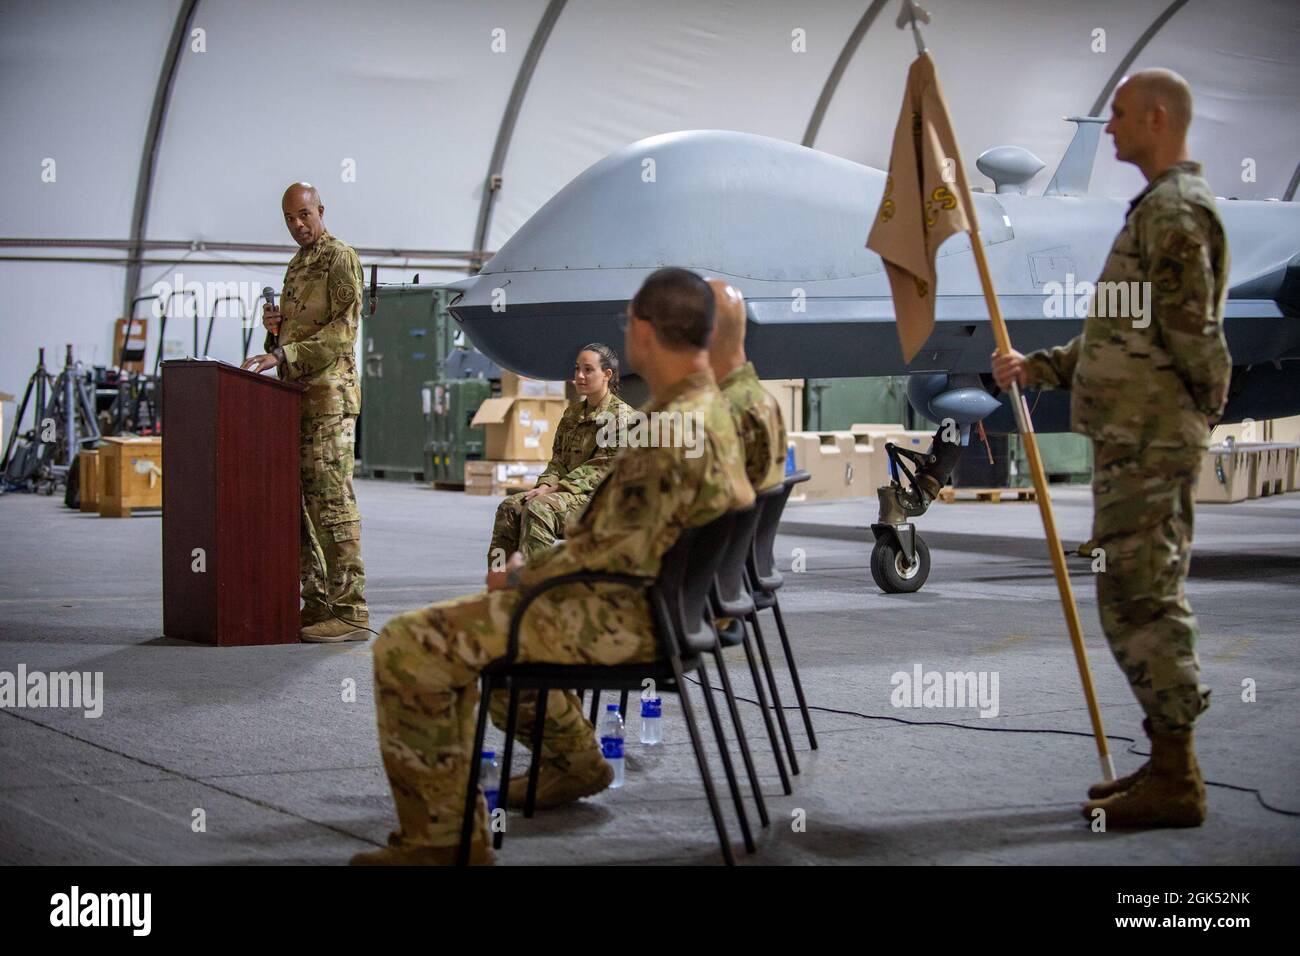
489	778
789	460
651	731
610	732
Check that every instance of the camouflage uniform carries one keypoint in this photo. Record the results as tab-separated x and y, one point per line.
758	421
321	309
577	466
1148	396
427	662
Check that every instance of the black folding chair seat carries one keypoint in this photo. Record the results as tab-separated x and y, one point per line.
678	600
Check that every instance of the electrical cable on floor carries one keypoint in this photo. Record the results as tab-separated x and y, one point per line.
1007	730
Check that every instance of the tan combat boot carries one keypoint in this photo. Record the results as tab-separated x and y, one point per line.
480	854
1107	788
334	631
1170	794
583	775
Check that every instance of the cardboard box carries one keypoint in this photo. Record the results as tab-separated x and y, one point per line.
516	386
519	429
90	480
131	475
501	477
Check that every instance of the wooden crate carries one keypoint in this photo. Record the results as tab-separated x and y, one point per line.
501	478
994	495
90	480
131	475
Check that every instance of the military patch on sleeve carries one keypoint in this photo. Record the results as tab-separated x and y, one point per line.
1167	275
1181	245
343	293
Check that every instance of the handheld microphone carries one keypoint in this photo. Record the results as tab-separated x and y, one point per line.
269	295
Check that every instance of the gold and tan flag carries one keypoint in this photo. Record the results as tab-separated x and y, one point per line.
921	206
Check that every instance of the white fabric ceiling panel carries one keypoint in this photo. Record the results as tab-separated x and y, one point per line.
78	80
1241	61
409	89
1010	71
616	71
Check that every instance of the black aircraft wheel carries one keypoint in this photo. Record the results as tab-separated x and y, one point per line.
891	570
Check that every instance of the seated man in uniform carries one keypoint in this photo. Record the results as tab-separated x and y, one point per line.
428	661
530	521
755	411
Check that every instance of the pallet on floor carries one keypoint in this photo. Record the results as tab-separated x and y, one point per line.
994	495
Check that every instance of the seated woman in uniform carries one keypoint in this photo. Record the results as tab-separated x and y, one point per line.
530	521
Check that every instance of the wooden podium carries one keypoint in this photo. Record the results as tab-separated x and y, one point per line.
231	505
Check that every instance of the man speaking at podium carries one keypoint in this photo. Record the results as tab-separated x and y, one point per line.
311	339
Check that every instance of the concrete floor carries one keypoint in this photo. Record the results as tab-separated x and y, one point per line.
285	772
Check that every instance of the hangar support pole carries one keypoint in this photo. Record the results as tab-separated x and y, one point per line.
1104	96
837	71
492	182
148	160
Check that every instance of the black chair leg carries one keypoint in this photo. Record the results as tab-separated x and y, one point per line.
697	744
622	706
595	706
725	754
471	785
776	696
794	673
503	794
741	739
767	715
539	721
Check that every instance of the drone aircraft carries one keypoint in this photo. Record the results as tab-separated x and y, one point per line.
787	225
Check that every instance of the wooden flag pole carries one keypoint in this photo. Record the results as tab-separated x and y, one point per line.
910	15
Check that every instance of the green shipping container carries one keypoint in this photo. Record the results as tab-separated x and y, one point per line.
451	440
402	347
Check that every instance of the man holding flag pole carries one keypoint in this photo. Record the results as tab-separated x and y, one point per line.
1146	389
925	201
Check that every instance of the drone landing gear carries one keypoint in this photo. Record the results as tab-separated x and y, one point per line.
900	560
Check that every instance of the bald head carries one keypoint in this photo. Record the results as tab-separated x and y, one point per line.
1161	89
1150	114
727	346
304	214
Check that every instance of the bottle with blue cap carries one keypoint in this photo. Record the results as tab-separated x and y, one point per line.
610	732
651	712
489	778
